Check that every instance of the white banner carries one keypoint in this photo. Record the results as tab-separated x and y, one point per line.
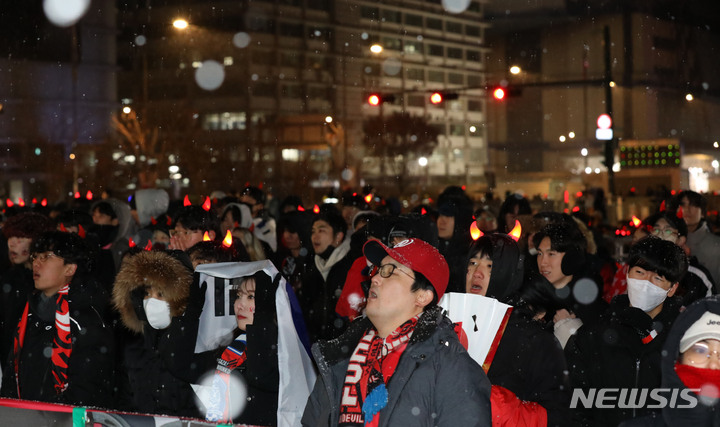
217	322
482	319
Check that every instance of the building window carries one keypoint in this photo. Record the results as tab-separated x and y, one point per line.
436	50
416	100
436	76
416	74
391	43
263	57
474	105
415	20
291	30
472	30
455	53
291	91
290	59
236	120
474	80
318	5
412	46
392	16
433	24
457	129
368	12
473	55
456	78
260	24
264	89
453	27
318	92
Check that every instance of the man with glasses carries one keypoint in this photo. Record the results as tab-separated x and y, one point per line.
623	349
402	363
63	346
191	224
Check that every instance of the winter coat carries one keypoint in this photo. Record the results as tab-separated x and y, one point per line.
612	354
16	286
320	293
436	383
705	246
156	360
259	372
530	363
91	364
701	414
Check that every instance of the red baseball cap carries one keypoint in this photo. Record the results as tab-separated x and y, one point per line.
416	254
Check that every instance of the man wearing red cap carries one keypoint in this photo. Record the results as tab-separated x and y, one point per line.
402	363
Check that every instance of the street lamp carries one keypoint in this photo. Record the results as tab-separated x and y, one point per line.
376	48
180	23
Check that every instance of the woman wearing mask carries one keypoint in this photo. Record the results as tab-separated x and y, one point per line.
158	302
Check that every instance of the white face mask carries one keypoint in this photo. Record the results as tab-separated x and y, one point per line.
157	312
644	295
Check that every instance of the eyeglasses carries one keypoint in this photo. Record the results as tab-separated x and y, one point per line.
667	232
182	233
43	257
699	354
387	271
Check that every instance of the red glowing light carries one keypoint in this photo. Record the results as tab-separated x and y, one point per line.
516	231
227	241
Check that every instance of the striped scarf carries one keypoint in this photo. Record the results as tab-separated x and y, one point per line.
369	371
233	357
62	342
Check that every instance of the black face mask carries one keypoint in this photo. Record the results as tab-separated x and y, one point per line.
106	233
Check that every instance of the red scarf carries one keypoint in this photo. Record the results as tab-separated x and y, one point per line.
371	367
62	342
706	380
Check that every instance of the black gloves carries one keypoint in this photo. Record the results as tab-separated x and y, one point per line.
265	292
196	299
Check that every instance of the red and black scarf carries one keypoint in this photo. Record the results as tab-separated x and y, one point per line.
62	342
370	369
218	408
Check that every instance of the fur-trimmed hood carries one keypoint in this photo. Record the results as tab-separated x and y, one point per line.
151	268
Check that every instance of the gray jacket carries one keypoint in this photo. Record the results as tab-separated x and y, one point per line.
436	383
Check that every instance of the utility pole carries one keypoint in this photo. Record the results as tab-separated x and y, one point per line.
611	143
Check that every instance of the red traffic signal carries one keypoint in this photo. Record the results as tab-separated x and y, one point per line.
439	97
376	99
498	93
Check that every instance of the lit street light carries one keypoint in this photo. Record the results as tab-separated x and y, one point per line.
180	24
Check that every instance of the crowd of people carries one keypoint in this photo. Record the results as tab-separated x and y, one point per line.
101	306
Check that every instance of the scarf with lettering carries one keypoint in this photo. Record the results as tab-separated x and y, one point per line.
232	358
62	342
371	367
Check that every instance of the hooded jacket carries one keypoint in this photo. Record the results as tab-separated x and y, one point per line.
154	362
150	203
529	361
701	414
435	382
613	354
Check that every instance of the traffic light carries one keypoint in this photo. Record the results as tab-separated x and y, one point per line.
438	97
376	99
500	93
